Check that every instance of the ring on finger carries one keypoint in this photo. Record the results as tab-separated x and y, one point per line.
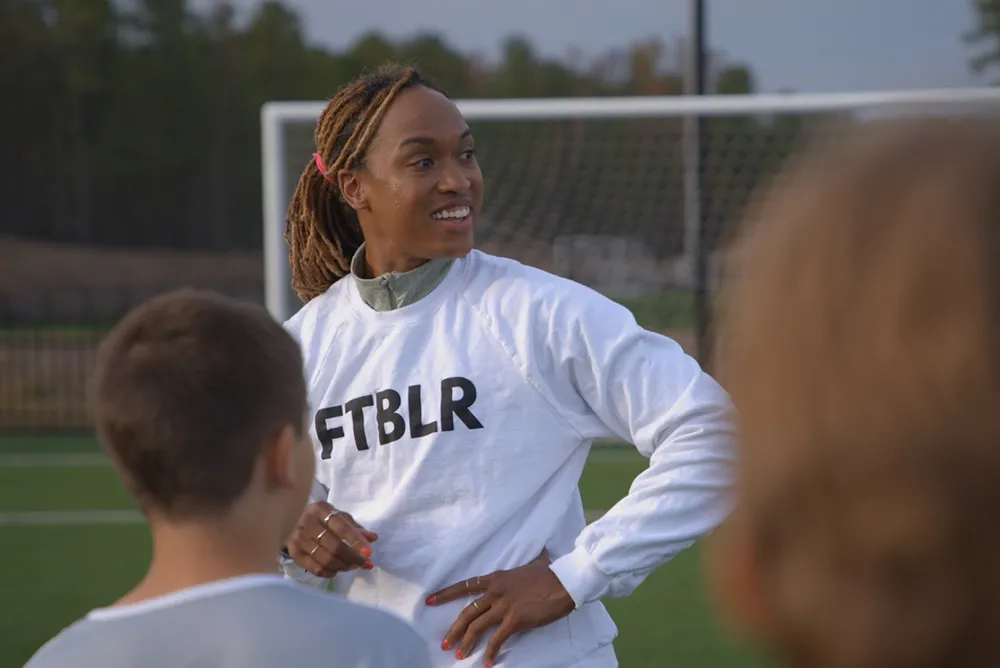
321	534
313	551
476	605
332	514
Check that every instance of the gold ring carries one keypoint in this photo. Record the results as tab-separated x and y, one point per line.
321	534
476	603
313	551
332	515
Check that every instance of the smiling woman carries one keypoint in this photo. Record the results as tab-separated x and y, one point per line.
456	396
411	190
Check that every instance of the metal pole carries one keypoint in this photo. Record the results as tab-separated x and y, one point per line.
277	272
695	248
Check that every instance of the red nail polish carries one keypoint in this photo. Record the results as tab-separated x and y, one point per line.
365	551
431	600
487	664
444	644
369	566
459	655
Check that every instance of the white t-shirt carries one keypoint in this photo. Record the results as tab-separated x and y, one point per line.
250	621
457	428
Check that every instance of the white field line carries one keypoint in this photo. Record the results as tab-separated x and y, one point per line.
38	518
75	460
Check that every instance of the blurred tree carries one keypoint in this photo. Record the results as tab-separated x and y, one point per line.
369	51
162	116
137	124
734	80
85	46
517	74
29	77
444	65
986	35
277	63
646	76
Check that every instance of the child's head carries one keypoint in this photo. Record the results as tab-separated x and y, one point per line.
861	345
200	401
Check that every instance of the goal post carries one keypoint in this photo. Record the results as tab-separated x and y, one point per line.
592	188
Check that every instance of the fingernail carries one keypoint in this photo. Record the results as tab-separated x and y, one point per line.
365	552
369	565
444	644
487	664
431	600
459	655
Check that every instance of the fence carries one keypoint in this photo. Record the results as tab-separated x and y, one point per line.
48	342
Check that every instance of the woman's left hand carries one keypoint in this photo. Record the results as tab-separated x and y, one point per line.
515	600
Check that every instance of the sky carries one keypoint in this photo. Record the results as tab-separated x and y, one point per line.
804	45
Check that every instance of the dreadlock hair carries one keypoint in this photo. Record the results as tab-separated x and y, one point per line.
321	229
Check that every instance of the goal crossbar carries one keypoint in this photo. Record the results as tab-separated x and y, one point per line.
668	105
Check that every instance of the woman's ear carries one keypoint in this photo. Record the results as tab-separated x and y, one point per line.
352	189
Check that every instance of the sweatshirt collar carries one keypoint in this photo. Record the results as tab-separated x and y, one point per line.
397	289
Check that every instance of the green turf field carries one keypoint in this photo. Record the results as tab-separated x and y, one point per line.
66	550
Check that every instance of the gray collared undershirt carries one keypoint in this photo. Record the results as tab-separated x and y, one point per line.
396	290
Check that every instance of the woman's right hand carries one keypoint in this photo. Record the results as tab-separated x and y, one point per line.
327	541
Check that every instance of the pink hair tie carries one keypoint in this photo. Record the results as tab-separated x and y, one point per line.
321	168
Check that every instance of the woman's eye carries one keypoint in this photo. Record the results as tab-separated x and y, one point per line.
424	163
469	153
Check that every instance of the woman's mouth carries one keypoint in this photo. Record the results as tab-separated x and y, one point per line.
458	216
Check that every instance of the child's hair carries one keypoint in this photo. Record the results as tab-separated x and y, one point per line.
322	231
861	344
188	389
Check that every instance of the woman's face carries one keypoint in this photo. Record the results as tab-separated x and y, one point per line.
420	191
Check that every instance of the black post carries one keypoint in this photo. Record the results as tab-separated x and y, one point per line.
697	247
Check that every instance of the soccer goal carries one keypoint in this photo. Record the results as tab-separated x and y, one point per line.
608	191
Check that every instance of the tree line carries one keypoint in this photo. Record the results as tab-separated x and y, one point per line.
137	124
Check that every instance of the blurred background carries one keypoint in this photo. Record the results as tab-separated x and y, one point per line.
131	164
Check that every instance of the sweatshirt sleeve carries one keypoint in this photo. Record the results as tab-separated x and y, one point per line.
610	377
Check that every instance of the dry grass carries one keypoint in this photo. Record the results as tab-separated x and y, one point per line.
30	267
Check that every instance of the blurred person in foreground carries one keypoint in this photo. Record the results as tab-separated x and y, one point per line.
457	395
861	345
200	403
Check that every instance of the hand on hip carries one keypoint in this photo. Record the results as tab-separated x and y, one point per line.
328	541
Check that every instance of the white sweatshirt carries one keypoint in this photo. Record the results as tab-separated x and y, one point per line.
457	428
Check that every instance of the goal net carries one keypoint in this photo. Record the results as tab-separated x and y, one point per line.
625	195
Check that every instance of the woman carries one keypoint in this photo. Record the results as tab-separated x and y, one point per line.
457	395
